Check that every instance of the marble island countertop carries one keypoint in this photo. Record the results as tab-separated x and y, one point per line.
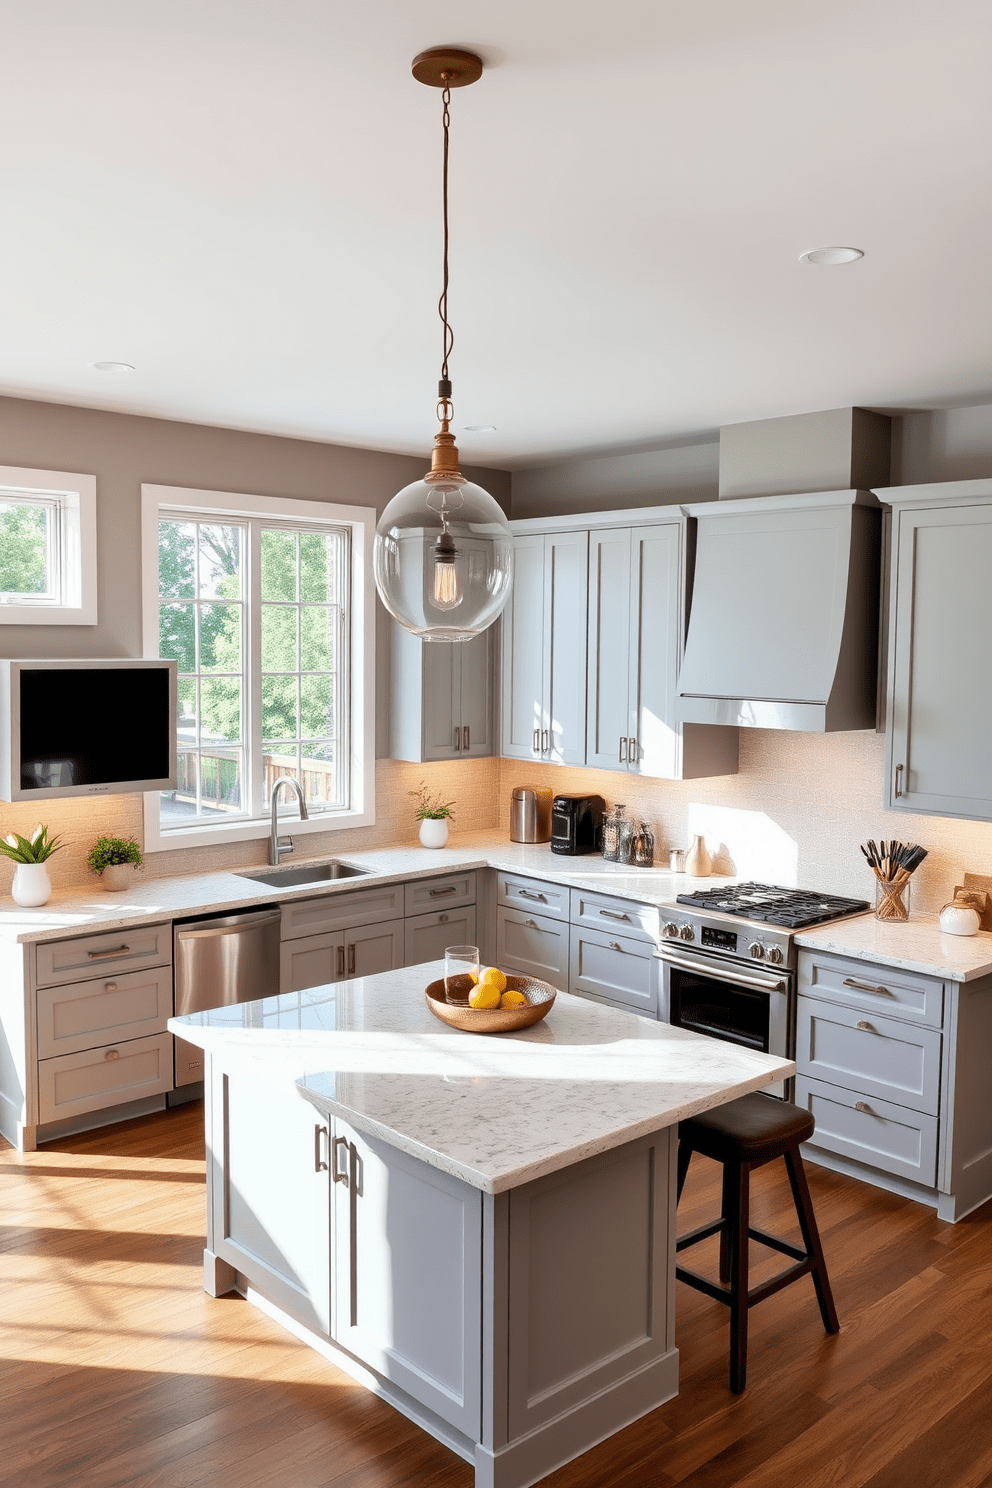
917	944
494	1111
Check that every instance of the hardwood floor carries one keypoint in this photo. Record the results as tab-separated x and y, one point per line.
117	1369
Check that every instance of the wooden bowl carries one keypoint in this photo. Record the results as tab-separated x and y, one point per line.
539	995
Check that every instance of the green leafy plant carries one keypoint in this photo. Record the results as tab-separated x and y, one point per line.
112	850
430	807
33	849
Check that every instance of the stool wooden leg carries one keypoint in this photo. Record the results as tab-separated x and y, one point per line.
738	1194
811	1238
685	1157
731	1187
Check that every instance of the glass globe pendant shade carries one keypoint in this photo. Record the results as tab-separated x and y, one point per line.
443	559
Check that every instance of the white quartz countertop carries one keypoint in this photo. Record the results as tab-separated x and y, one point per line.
495	1111
89	910
917	944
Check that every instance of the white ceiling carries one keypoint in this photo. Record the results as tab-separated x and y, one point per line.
242	198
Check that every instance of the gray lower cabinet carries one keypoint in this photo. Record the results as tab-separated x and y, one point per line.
939	710
894	1067
532	945
312	960
614	969
427	936
440	697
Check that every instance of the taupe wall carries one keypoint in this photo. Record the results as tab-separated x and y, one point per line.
659	477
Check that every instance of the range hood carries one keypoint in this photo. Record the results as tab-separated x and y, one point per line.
783	630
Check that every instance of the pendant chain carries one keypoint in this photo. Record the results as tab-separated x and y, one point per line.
445	408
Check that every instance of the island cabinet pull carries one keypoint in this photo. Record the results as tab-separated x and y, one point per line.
529	894
865	1026
440	893
351	959
340	960
614	914
458	738
866	987
319	1165
121	950
339	1175
864	1108
465	737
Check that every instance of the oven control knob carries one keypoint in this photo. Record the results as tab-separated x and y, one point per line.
670	931
774	955
687	932
756	950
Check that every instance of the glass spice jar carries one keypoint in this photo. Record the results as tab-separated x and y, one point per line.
625	832
642	847
611	836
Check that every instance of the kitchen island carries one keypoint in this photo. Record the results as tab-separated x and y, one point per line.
480	1229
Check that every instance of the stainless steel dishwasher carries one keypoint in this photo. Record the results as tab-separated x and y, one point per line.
218	961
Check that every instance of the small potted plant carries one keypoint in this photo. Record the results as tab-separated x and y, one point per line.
113	859
32	885
433	815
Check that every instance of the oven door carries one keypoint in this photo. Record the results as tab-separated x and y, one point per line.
745	1006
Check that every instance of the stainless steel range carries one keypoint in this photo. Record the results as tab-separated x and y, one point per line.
729	961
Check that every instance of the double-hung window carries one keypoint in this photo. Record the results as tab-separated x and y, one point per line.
47	547
264	606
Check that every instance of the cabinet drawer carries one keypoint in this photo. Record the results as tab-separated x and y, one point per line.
621	916
339	911
60	961
533	946
616	969
90	1081
426	937
103	1011
889	1137
878	1056
865	984
427	894
533	895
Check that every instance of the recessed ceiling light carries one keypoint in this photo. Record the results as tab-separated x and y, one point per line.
479	428
112	366
828	257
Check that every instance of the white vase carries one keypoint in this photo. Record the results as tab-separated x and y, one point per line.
698	863
434	831
116	877
32	885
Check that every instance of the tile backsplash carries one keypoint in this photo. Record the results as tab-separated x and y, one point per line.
795	814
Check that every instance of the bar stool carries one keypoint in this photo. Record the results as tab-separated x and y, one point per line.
742	1135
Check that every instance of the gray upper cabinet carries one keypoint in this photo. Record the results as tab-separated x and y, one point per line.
635	635
940	688
544	650
441	697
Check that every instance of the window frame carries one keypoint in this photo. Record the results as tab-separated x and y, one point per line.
74	496
201	505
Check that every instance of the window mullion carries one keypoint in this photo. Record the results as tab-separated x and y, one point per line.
254	766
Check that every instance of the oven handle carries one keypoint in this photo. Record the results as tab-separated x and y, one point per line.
734	978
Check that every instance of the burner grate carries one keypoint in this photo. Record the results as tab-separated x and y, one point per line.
793	909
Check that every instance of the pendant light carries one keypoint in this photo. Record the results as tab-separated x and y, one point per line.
443	552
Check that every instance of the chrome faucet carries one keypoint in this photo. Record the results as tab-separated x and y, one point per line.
279	844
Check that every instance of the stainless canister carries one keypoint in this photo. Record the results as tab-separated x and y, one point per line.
530	813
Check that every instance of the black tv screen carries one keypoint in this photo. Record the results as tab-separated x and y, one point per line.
96	726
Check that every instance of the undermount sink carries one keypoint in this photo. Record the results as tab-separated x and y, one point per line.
278	878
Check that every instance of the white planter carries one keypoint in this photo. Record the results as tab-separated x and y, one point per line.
116	877
434	831
32	885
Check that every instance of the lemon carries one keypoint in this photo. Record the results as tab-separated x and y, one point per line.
483	997
493	977
513	1000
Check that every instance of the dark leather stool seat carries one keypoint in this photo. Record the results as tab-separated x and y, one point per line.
743	1135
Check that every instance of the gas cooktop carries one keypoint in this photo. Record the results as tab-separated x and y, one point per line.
795	909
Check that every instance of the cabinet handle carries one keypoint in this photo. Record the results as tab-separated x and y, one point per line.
623	751
338	1175
112	1054
632	755
865	987
110	987
536	746
121	950
613	914
465	737
440	893
864	1108
529	894
319	1165
442	919
531	923
545	741
458	738
351	959
865	1026
340	960
615	945
898	790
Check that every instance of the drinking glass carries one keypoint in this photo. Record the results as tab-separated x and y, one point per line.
461	973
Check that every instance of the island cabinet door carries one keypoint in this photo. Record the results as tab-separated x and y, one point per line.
407	1295
269	1152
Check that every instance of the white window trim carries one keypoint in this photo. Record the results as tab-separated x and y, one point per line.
76	495
361	520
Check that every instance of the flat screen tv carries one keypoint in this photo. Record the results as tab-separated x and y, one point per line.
86	727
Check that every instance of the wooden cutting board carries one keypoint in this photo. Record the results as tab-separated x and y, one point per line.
975	881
